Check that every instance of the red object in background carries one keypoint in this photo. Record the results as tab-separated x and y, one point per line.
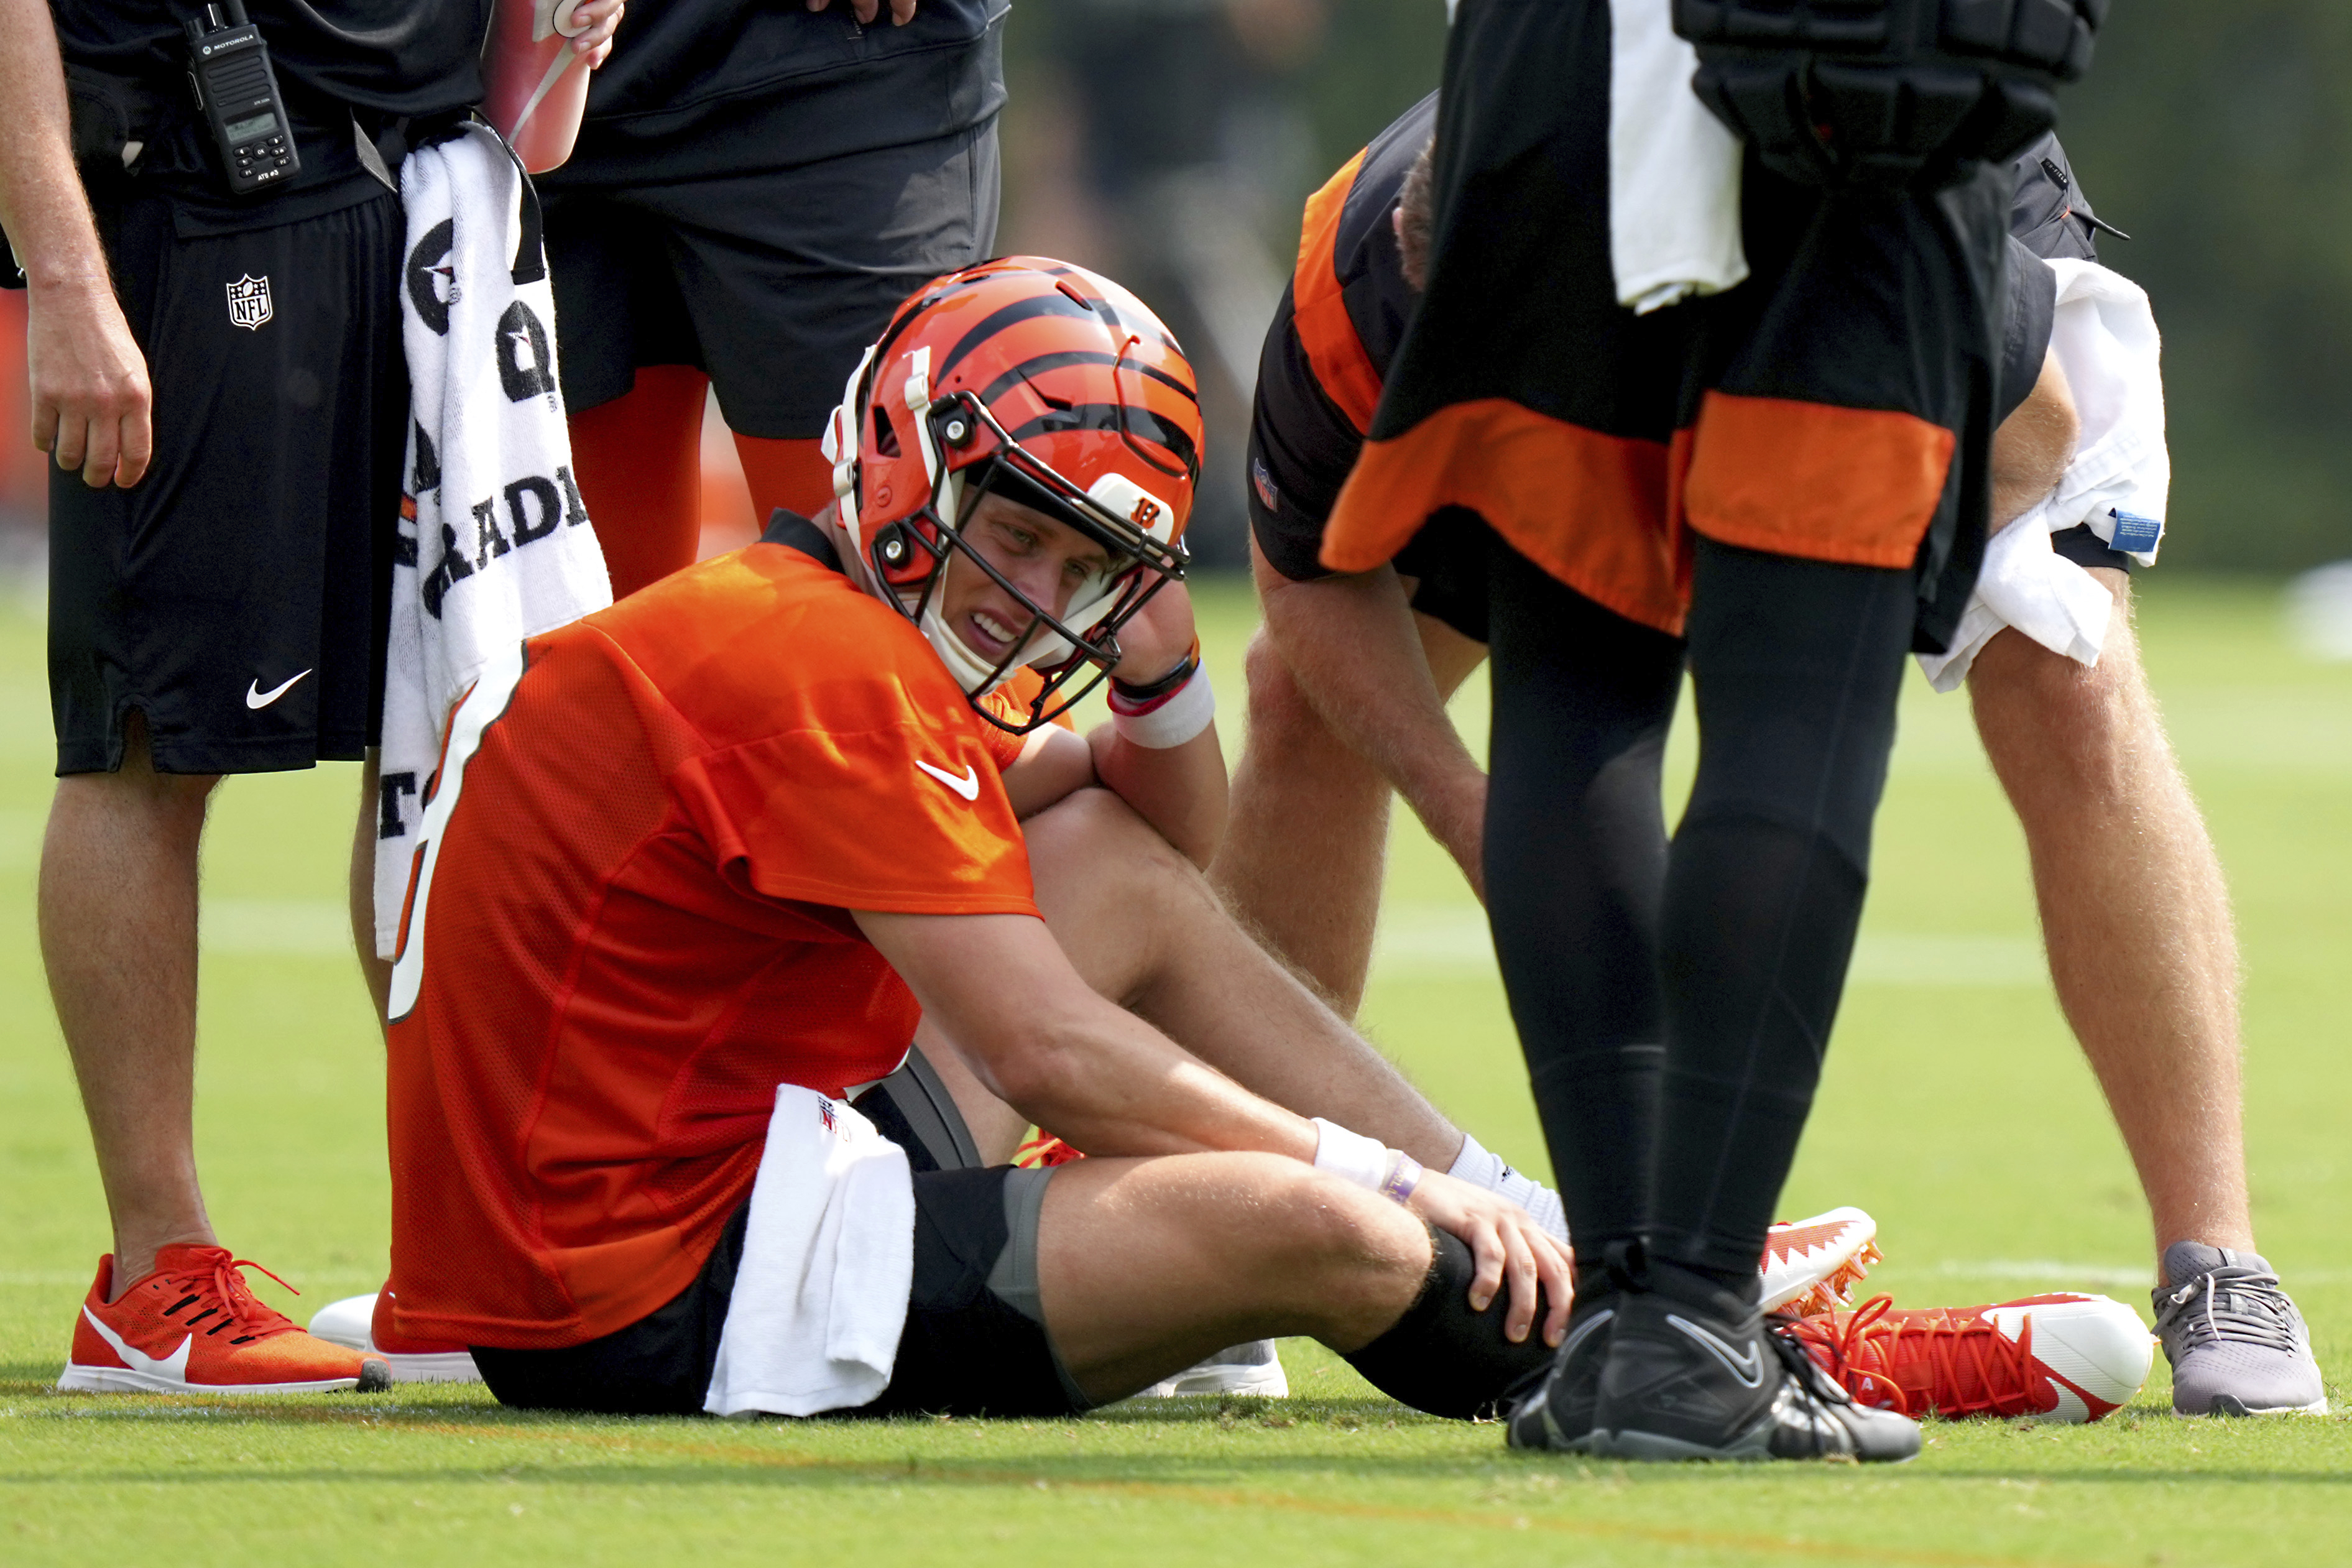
24	467
537	88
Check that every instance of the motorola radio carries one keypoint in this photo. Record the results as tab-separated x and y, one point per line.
229	66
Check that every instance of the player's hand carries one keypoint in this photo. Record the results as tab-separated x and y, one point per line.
602	17
901	10
1508	1246
1156	639
93	406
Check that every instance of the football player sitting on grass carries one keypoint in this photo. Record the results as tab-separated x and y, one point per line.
693	868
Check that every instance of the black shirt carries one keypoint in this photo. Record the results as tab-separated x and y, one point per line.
399	56
698	89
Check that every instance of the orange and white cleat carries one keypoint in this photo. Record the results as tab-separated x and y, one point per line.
2060	1357
194	1326
364	1323
1812	1265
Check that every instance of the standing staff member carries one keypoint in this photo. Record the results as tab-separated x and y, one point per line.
755	188
219	377
1808	452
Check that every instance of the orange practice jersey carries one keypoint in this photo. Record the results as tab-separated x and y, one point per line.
632	924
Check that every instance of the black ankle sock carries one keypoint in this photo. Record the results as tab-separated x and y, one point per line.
1441	1356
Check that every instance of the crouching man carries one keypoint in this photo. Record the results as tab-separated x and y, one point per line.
741	831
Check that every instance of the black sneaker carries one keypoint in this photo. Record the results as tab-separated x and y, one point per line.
2237	1345
1694	1371
1557	1414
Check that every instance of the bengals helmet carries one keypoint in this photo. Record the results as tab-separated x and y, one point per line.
1047	385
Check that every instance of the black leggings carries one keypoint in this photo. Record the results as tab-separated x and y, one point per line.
1674	1005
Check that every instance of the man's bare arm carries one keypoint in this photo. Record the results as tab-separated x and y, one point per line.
89	393
1039	1039
1353	648
1180	790
2033	446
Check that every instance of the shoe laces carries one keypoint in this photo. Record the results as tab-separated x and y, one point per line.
1973	1368
2232	1305
1044	1151
1836	1291
217	1287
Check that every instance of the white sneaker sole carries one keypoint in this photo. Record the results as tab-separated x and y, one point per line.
2316	1407
350	1322
78	1379
1264	1379
447	1366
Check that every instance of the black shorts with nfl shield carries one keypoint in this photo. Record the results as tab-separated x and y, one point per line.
238	594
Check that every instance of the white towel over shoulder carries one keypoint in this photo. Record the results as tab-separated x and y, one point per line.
1673	170
492	548
821	1291
2105	340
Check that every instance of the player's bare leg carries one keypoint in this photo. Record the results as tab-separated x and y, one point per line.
1143	1270
376	972
1145	930
1306	844
118	921
2134	911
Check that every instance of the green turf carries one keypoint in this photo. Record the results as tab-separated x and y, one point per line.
1955	1109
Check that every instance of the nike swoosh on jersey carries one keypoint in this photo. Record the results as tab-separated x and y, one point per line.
174	1366
257	698
1749	1368
966	785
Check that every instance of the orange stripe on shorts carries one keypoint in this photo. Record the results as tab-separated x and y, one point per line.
1587	507
1857	485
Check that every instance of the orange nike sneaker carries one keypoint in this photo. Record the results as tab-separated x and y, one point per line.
1812	1265
194	1326
2062	1357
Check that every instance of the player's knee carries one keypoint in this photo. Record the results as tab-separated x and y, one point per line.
1279	714
1353	1250
2083	722
1092	833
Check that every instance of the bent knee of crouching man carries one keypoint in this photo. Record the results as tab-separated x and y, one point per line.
1279	709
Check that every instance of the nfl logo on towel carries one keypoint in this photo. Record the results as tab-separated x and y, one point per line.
248	301
825	1113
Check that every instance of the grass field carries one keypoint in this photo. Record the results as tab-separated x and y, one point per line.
1956	1110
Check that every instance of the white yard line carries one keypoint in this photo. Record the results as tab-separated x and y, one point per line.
1443	942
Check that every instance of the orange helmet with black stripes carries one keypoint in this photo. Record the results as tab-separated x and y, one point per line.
1046	384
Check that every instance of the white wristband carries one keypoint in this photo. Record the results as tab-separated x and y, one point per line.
1184	713
1350	1155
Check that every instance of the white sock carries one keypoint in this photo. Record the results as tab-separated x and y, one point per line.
1482	1167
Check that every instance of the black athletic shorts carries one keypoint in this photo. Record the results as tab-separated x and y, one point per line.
1838	406
238	595
772	281
974	1344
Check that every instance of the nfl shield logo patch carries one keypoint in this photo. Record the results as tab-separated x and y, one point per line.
248	301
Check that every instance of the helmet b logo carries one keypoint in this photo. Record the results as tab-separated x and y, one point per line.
1146	513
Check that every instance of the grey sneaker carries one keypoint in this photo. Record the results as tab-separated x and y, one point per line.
2237	1345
